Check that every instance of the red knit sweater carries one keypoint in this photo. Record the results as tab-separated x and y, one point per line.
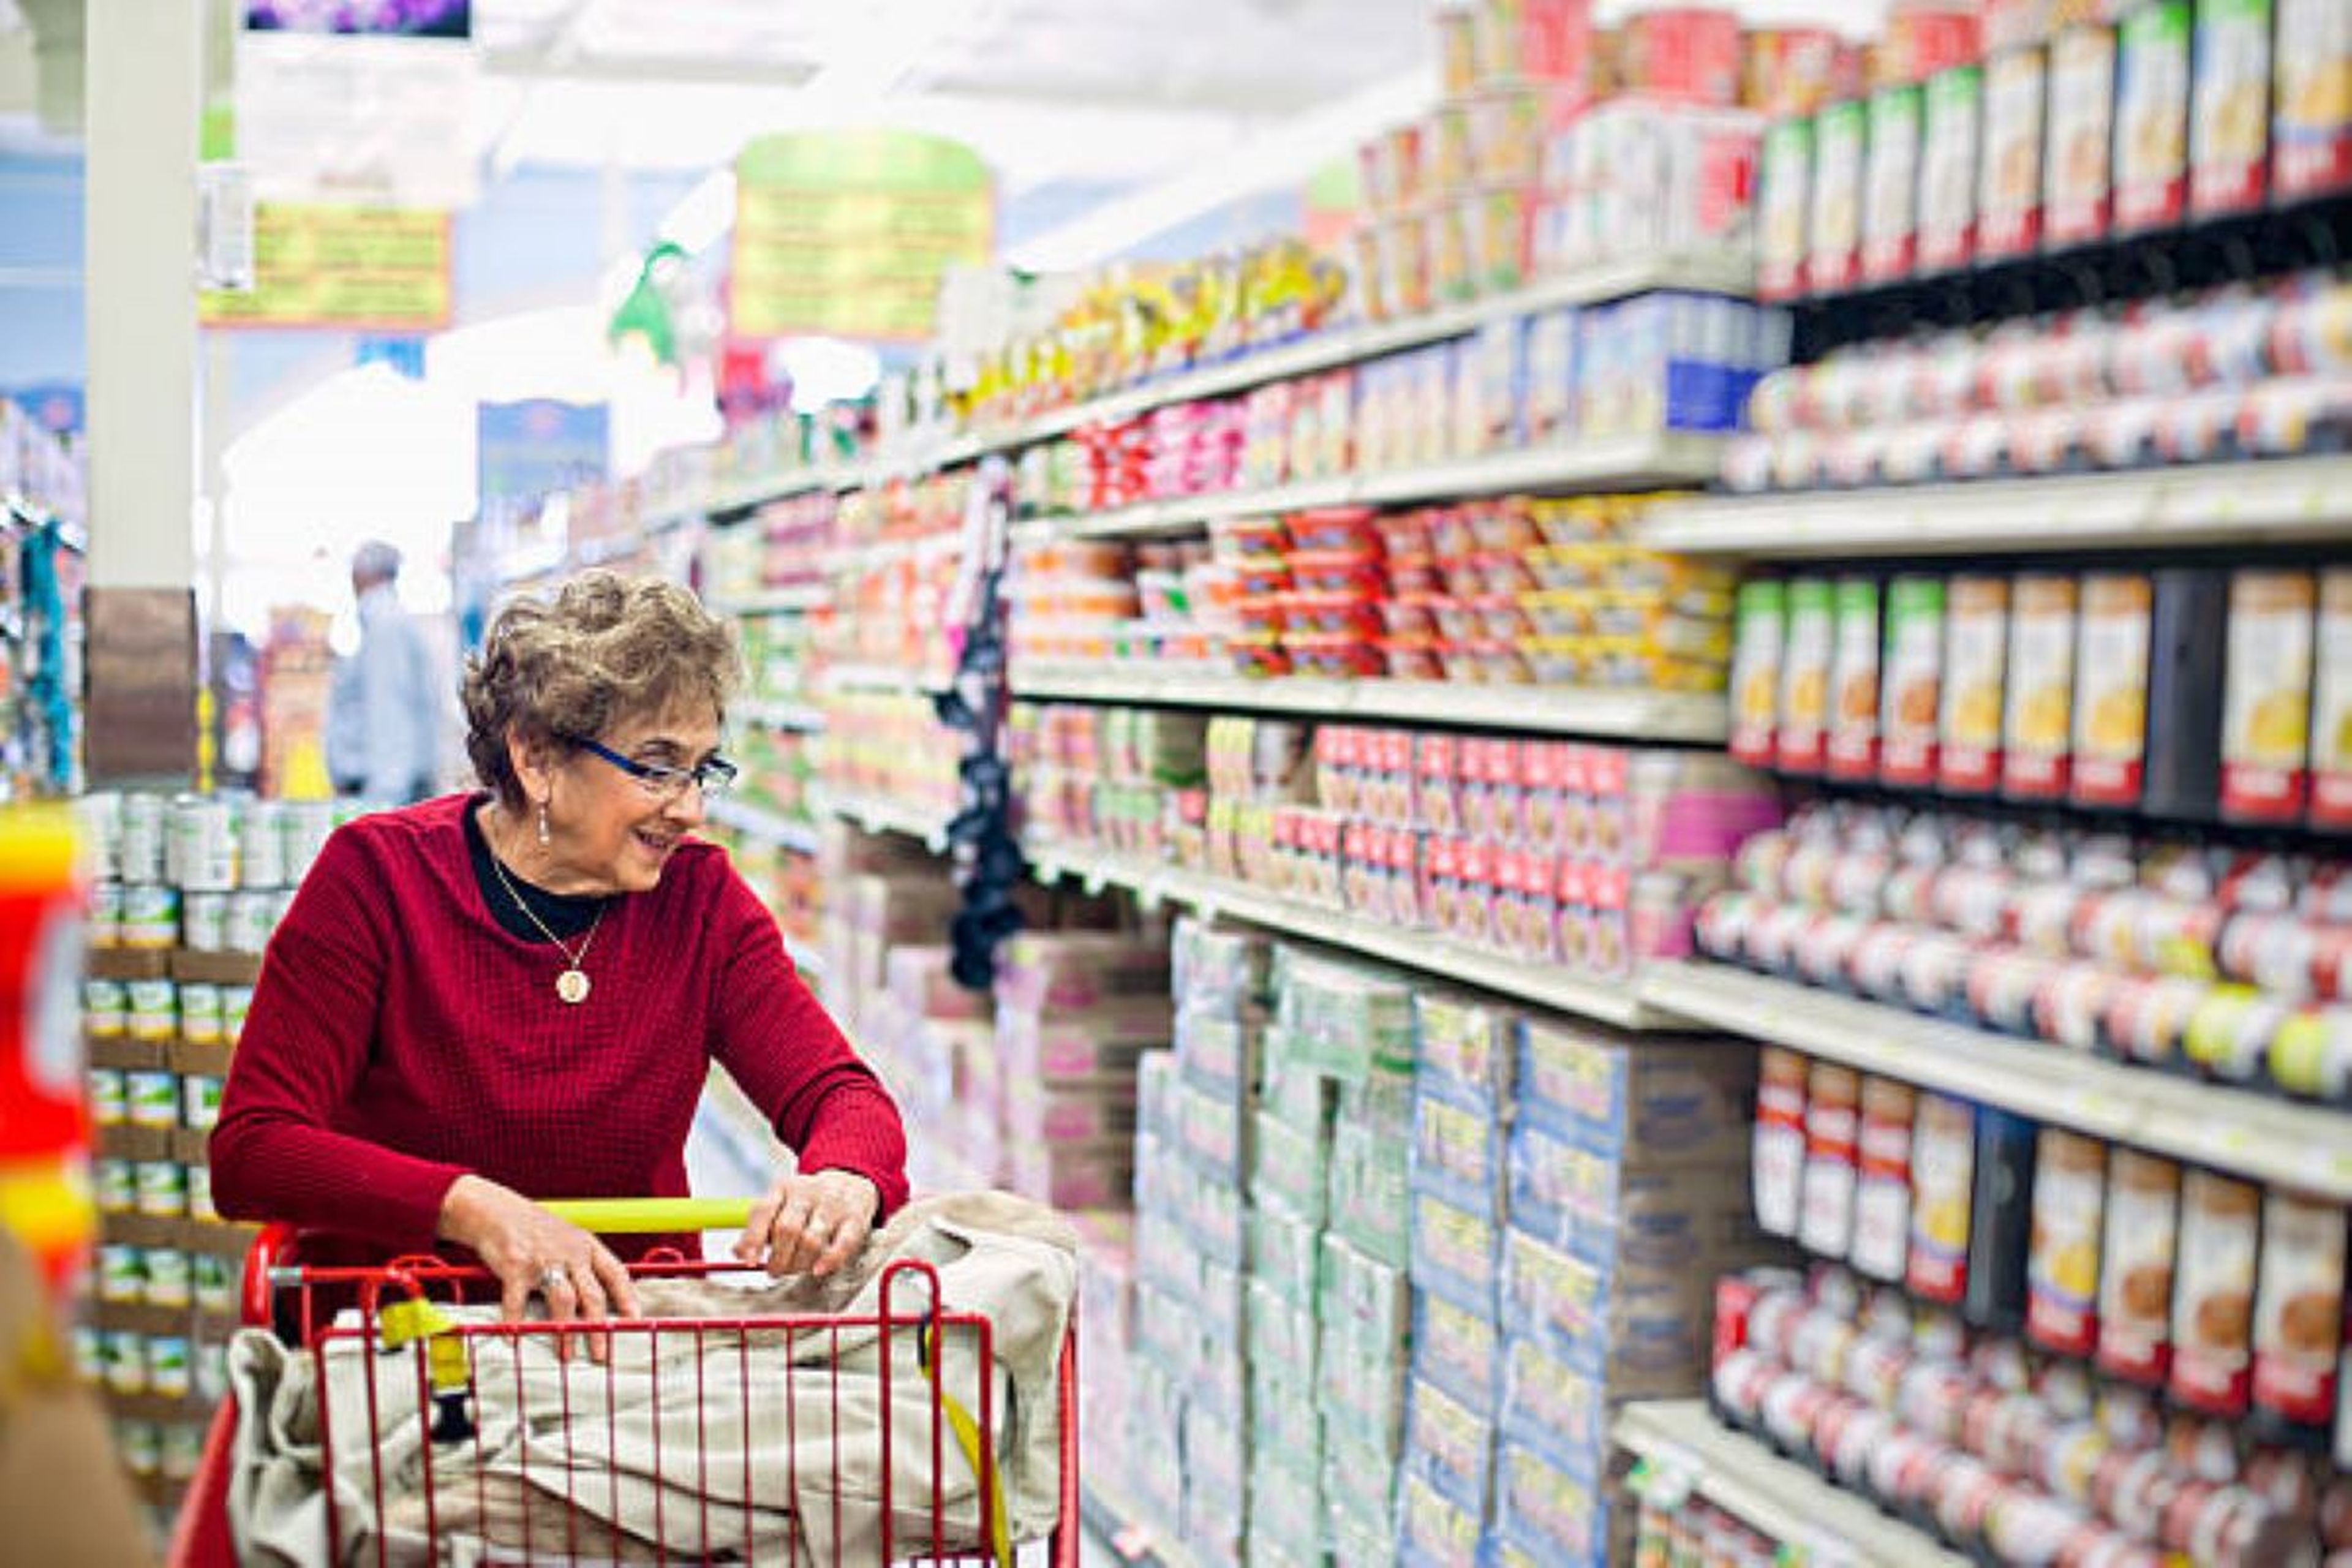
400	1037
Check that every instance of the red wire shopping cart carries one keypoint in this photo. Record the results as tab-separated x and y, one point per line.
421	1376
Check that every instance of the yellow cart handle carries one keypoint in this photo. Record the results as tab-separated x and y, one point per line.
651	1216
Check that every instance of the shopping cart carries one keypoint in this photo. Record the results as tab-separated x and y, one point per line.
424	1365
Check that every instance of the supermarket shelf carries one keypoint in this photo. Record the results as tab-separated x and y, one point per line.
1722	272
1623	462
2296	500
1685	1444
748	494
890	680
775	601
1635	715
2305	1147
1548	985
798	716
873	557
1121	1524
877	814
765	824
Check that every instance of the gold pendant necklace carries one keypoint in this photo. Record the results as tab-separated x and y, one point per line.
572	985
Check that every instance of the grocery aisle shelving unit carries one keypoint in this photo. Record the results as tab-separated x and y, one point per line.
1686	1447
799	717
799	597
887	679
1714	271
1606	1001
1612	463
876	815
1633	714
2245	1133
2283	501
765	825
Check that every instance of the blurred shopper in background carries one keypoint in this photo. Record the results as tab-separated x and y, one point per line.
384	710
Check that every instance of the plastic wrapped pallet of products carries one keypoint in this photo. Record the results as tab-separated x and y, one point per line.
1457	1350
1603	1206
1363	1317
1450	1445
1550	1407
1154	1425
1371	1142
1105	1340
1285	1510
1686	1103
1555	1518
1216	1482
1068	972
1455	1253
1095	1046
1467	1048
1343	1019
1643	1330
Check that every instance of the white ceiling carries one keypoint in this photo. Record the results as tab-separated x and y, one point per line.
1110	90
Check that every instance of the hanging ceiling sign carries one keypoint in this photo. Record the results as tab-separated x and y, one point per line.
847	233
371	270
358	101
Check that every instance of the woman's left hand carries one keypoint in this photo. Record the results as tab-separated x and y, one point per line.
810	1224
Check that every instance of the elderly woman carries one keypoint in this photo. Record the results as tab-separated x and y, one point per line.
488	998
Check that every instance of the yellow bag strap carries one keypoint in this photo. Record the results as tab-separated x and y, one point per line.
971	1441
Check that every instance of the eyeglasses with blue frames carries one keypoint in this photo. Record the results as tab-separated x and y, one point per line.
712	776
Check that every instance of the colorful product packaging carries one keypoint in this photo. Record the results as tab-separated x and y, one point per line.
2010	168
1976	650
1805	676
2229	121
2311	109
1852	752
1833	229
1952	142
2266	697
2152	97
2110	701
1912	682
2078	169
2038	727
2135	1266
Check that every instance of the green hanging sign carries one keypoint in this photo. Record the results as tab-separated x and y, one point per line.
848	233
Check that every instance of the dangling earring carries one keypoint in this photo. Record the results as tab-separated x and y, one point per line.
544	837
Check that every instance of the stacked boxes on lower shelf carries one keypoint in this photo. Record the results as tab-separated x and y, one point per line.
1344	1038
1624	1193
1076	1013
1191	1299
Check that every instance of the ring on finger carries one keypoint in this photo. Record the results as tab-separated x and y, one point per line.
552	1276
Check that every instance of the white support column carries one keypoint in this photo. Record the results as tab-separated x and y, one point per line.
144	75
144	79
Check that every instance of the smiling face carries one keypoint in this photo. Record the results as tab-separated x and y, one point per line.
609	831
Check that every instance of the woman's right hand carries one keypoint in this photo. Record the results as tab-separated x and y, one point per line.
532	1252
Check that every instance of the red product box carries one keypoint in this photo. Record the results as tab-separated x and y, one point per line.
1437	795
1687	52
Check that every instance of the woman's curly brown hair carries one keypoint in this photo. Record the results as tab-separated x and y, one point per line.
602	650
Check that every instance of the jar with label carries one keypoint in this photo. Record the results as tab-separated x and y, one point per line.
200	1102
211	1370
214	1283
1832	1101
1852	746
151	1099
261	845
152	1010
2266	696
2152	86
2299	1310
184	1451
121	1273
2038	725
167	1277
2070	1178
2214	1301
1913	681
162	1188
1943	1166
168	1366
1779	1154
109	1098
200	1193
112	1187
252	915
204	922
1805	676
105	921
141	847
150	916
1882	1203
236	1001
125	1356
1756	663
1976	647
203	845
